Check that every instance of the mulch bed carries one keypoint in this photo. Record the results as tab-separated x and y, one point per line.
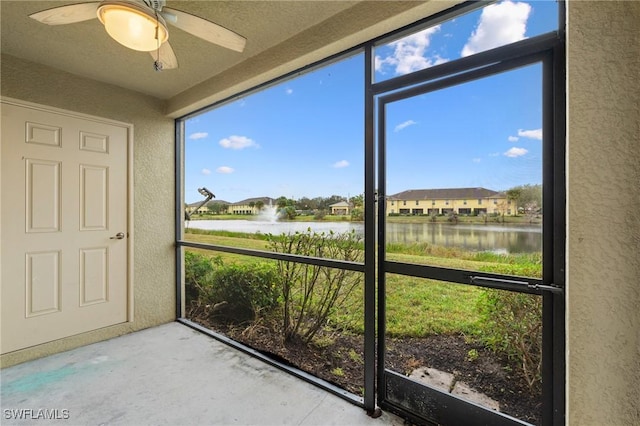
338	359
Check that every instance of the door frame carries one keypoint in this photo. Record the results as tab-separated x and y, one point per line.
548	50
129	175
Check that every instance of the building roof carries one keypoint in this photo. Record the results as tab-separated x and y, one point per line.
340	204
445	194
208	203
265	200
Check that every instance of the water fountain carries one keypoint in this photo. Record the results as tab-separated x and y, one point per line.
269	213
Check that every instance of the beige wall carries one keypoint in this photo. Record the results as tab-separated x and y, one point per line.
154	274
603	259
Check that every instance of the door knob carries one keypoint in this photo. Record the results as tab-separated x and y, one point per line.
118	236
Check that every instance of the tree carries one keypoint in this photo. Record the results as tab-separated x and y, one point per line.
357	200
317	203
282	202
305	203
531	211
502	208
259	204
525	194
289	212
514	195
216	207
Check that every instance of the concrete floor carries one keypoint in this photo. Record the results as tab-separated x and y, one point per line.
167	375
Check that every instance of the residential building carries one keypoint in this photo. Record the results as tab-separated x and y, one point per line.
196	208
250	205
461	201
341	208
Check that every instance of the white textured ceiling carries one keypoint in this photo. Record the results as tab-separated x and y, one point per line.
277	32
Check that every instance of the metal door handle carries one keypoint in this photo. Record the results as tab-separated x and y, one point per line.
118	236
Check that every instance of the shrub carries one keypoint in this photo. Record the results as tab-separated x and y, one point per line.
230	293
320	214
198	274
311	293
357	214
288	212
513	327
239	293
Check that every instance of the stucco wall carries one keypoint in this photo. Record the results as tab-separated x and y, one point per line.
154	273
603	213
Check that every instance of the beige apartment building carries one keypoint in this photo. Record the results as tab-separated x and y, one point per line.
462	201
250	205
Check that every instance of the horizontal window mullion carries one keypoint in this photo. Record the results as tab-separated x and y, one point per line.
462	78
329	263
524	48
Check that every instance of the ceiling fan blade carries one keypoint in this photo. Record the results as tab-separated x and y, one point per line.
206	30
166	56
69	14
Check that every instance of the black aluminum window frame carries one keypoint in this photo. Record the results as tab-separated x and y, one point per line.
547	49
368	400
549	46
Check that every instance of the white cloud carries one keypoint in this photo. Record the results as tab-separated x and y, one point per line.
499	24
198	135
477	160
340	164
409	54
289	91
532	134
404	125
206	171
225	170
237	142
513	138
515	152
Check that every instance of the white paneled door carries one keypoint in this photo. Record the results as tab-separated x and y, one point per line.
65	236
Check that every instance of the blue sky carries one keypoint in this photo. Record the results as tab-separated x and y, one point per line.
304	137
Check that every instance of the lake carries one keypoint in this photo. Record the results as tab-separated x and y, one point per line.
478	237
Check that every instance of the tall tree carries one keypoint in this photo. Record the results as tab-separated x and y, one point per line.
357	200
282	202
525	195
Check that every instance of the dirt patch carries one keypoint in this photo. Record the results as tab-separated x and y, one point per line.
338	358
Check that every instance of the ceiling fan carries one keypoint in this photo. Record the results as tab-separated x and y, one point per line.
142	25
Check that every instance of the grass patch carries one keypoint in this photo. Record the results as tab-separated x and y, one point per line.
228	239
416	307
221	233
506	322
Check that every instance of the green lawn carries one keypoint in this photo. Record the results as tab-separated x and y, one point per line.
415	306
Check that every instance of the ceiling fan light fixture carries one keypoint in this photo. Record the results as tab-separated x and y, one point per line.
132	25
